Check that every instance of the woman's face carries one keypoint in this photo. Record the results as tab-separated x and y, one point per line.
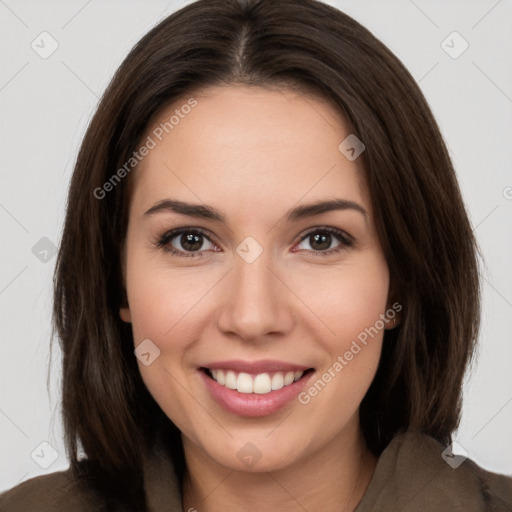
260	287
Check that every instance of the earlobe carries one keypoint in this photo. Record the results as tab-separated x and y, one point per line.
124	310
392	323
394	307
393	315
125	315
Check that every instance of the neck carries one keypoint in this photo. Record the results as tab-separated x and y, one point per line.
333	478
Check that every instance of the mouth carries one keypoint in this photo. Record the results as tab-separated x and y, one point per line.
254	389
255	383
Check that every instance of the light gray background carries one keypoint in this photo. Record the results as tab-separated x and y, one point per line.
45	105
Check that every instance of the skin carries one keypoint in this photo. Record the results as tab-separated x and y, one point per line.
253	154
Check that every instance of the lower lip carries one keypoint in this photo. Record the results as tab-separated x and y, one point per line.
253	404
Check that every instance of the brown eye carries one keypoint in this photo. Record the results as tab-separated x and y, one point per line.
321	239
185	242
191	241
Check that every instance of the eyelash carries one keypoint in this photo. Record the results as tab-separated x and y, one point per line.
163	241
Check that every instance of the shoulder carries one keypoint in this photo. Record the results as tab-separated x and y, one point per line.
52	492
458	475
415	470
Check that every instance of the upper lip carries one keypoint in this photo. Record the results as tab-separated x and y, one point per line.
263	366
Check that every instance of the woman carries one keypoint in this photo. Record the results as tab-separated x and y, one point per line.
267	290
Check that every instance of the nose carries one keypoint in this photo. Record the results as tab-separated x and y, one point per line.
255	302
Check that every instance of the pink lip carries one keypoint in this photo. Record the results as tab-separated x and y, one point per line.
255	367
253	404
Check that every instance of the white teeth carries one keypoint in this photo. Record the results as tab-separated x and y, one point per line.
288	378
244	383
260	384
230	379
277	381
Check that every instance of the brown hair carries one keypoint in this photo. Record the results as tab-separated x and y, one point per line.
420	217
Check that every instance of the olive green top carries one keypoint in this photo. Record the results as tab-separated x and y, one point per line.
411	476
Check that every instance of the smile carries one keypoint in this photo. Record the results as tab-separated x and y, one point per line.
261	383
254	389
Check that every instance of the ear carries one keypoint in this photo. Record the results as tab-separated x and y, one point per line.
394	308
125	315
124	310
393	315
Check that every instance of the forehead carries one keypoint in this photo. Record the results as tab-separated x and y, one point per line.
248	146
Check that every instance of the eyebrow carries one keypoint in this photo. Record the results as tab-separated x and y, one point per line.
293	215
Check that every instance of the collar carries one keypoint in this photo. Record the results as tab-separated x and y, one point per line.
410	475
163	489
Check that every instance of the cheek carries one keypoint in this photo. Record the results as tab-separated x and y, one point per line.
351	307
164	300
350	303
167	305
164	309
347	300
